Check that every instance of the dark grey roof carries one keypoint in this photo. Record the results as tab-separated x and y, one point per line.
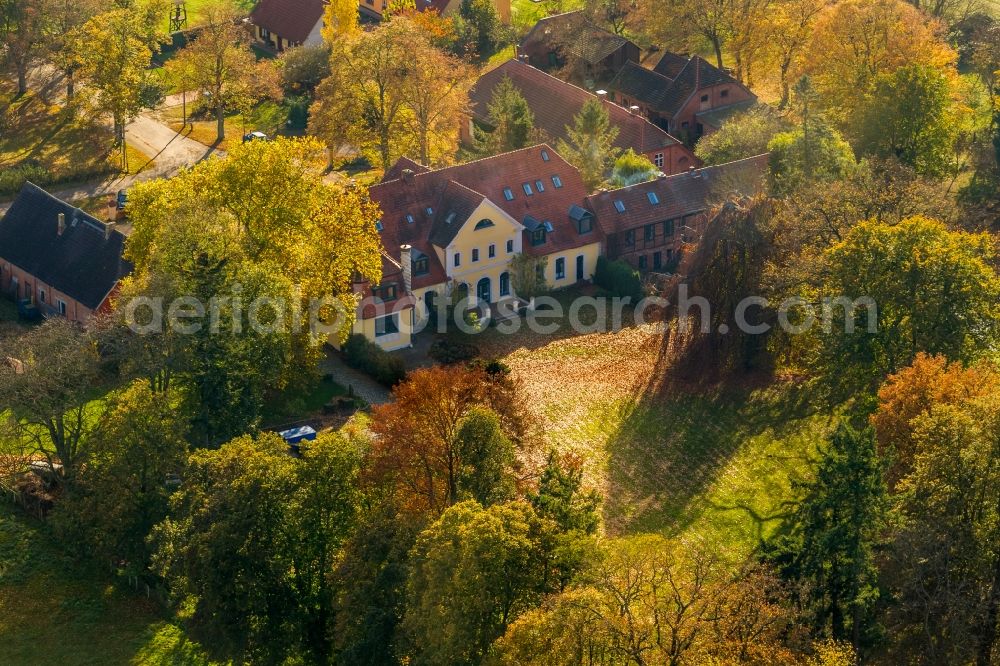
456	204
574	32
667	86
577	213
80	262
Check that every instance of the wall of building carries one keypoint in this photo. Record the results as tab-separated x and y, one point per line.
29	286
469	238
720	95
590	253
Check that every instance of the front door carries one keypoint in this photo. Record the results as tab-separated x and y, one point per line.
579	268
483	290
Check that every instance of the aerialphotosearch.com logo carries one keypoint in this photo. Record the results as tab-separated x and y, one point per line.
543	315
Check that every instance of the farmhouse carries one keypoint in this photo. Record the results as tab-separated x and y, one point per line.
687	97
58	257
554	103
282	24
583	52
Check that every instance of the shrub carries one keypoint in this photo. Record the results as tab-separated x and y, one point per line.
618	278
12	179
449	350
368	357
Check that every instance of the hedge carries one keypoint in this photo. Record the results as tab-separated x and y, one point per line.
368	357
618	278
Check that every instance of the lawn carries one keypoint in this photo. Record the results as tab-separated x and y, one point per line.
197	9
66	148
54	609
268	117
299	402
679	460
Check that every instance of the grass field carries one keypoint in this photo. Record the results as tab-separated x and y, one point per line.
268	117
54	610
69	148
682	461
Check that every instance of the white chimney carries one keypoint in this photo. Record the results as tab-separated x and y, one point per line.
107	230
406	260
61	226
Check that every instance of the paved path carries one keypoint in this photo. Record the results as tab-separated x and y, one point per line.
169	150
364	386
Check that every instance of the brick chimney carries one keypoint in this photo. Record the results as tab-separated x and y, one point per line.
61	224
407	175
405	258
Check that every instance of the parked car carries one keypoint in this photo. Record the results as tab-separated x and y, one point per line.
121	199
254	136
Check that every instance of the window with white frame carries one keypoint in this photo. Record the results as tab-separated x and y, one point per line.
658	160
561	268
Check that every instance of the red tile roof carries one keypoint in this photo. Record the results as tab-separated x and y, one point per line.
665	88
678	195
293	20
555	102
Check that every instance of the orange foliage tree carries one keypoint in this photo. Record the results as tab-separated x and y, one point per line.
913	392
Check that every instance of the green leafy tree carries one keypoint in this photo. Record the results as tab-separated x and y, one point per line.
48	386
591	142
930	289
250	541
527	274
137	449
835	531
487	455
744	135
481	27
910	116
511	122
631	169
944	568
561	497
475	571
23	27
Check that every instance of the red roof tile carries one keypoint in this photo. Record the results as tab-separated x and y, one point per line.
678	195
555	102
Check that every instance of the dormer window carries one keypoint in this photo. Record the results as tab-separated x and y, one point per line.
619	206
527	189
420	266
508	194
556	182
484	223
540	186
538	236
585	225
385	292
653	199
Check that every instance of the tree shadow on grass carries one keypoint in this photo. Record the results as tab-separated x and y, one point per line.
674	438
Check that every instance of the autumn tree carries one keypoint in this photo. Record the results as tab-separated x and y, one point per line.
23	27
923	288
390	93
510	119
118	47
591	145
792	24
259	223
475	570
429	452
340	23
436	93
48	388
64	48
913	391
855	41
223	68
